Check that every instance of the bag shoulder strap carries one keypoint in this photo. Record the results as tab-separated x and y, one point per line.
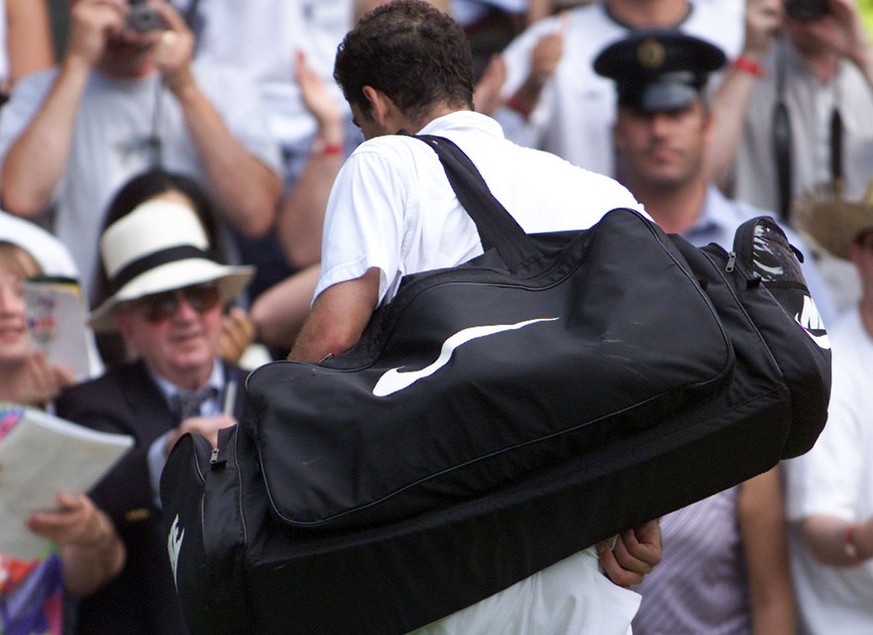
497	228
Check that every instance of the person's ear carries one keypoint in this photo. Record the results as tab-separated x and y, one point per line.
381	106
708	123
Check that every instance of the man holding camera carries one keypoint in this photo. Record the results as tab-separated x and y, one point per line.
812	57
125	98
792	116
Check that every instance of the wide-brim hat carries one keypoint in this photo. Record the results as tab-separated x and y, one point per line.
160	246
832	223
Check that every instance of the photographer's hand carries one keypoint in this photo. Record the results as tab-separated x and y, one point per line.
173	49
246	188
318	101
37	159
762	22
843	31
92	23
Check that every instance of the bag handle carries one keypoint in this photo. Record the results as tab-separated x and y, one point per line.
497	228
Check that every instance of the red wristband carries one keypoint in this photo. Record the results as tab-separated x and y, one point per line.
849	546
327	149
750	66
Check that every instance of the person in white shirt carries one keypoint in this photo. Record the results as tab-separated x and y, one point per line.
407	66
829	497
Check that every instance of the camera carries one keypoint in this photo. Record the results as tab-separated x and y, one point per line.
142	18
806	10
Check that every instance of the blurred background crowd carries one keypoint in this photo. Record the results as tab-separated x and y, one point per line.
136	135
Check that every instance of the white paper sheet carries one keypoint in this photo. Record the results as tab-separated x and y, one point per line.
42	456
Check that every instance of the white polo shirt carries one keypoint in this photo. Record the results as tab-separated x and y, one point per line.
392	207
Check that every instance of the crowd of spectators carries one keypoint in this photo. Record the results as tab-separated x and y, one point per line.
221	122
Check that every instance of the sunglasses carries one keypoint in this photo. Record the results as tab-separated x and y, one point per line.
162	306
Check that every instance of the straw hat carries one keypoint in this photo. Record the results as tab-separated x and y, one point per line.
160	246
832	223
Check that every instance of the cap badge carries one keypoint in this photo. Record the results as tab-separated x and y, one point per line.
651	53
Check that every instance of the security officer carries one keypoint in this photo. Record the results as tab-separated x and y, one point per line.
662	128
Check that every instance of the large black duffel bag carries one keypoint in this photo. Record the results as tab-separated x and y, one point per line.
495	418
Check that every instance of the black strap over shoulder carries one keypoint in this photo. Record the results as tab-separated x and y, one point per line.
497	228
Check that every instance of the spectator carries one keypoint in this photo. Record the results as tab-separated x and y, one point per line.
121	101
661	143
29	378
237	328
725	566
51	254
829	501
551	84
408	66
88	550
54	260
167	303
818	69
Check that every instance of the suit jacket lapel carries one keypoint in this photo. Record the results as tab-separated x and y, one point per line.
152	416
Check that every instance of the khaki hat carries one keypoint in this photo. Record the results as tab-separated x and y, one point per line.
160	246
831	222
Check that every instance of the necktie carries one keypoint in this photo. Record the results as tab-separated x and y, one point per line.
188	402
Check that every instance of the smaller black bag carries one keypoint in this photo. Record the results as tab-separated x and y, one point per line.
763	273
206	533
696	377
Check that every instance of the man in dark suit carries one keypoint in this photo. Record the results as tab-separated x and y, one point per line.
167	305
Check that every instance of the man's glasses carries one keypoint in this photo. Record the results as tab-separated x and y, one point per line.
162	306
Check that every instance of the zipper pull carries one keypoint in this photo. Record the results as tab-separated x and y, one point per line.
732	259
214	461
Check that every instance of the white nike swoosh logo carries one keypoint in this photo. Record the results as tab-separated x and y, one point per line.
809	319
174	546
395	379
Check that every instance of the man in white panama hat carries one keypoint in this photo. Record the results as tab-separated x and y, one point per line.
829	499
167	302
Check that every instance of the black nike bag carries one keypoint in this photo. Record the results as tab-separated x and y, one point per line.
495	418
